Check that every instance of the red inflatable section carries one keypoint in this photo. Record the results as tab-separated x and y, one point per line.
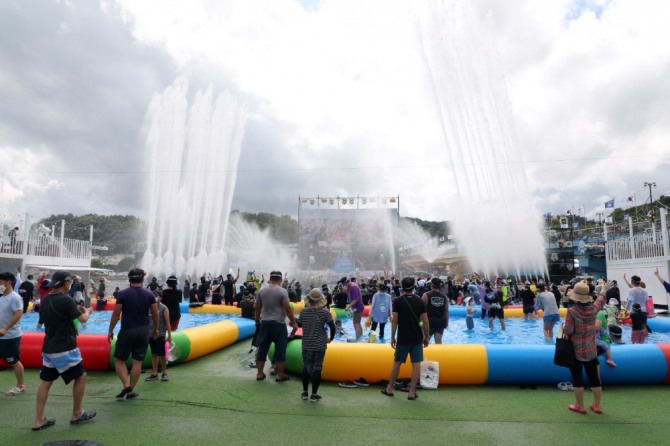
95	351
665	348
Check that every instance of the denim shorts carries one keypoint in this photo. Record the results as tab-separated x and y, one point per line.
552	318
415	352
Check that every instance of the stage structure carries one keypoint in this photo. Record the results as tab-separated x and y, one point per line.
341	236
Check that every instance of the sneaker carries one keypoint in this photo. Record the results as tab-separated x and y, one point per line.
304	396
314	398
273	371
348	384
151	377
361	382
164	377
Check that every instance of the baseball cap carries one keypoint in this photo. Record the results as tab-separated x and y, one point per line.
59	278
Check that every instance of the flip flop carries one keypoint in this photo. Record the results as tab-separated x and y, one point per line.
282	379
385	392
124	392
85	416
14	391
576	408
595	409
262	377
47	423
412	397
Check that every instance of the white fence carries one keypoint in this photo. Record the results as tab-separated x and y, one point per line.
47	246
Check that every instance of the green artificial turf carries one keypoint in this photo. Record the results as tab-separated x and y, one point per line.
216	400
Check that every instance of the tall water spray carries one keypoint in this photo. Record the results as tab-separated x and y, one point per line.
193	152
496	222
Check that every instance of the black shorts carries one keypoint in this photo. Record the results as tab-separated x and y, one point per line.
157	346
528	310
51	374
496	312
9	350
132	341
437	325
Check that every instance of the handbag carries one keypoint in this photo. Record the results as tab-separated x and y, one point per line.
564	355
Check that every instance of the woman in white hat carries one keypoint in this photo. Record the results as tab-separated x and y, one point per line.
312	319
580	328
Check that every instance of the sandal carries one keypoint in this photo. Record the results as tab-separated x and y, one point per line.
85	416
124	392
47	423
387	393
261	378
412	397
15	391
282	379
576	408
132	395
595	409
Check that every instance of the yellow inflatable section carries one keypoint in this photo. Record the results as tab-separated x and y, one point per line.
209	338
208	309
373	362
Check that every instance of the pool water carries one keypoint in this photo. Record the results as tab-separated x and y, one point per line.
519	331
98	323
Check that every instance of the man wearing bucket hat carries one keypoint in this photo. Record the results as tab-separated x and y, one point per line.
580	328
312	319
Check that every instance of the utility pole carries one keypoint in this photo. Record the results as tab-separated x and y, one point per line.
651	202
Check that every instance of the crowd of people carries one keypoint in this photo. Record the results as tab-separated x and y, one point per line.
417	308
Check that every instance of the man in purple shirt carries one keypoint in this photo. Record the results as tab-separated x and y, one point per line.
355	305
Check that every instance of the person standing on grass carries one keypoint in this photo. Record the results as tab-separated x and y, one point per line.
133	307
60	354
580	328
313	318
11	311
410	322
272	306
157	345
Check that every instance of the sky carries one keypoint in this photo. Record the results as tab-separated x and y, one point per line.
338	98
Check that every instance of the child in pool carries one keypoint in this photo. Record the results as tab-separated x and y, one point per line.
339	329
470	309
612	311
639	325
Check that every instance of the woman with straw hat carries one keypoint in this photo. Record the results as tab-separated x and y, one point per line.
580	328
312	319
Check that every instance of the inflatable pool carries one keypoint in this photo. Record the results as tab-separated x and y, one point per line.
188	344
477	364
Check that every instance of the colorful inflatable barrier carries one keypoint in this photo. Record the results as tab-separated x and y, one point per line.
491	364
189	344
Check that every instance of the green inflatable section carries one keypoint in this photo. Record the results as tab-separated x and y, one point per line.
293	356
340	313
179	353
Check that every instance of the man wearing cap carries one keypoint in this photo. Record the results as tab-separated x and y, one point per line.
11	310
60	354
437	309
171	298
411	324
272	306
637	294
133	306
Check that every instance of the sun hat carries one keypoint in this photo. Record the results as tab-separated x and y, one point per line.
613	301
467	300
315	298
580	293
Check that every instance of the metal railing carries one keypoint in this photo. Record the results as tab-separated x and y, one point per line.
636	247
47	246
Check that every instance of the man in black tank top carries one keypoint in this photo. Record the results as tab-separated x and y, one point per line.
437	308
